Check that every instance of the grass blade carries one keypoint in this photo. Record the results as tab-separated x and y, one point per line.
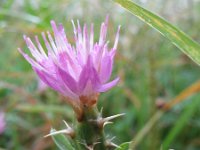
180	123
176	36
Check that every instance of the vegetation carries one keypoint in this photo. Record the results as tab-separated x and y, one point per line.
158	87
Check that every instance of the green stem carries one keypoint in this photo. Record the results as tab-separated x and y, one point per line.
89	132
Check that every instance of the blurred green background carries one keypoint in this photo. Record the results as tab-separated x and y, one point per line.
152	72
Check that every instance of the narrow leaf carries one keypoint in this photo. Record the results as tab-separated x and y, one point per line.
123	146
61	141
176	36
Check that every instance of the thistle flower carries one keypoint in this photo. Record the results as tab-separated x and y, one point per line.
79	72
2	122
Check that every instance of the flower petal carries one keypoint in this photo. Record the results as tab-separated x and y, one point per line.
55	84
67	79
106	69
84	76
89	74
109	85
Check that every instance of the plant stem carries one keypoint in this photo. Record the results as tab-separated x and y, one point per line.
90	134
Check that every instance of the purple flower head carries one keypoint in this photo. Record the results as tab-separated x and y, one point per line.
78	71
2	122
